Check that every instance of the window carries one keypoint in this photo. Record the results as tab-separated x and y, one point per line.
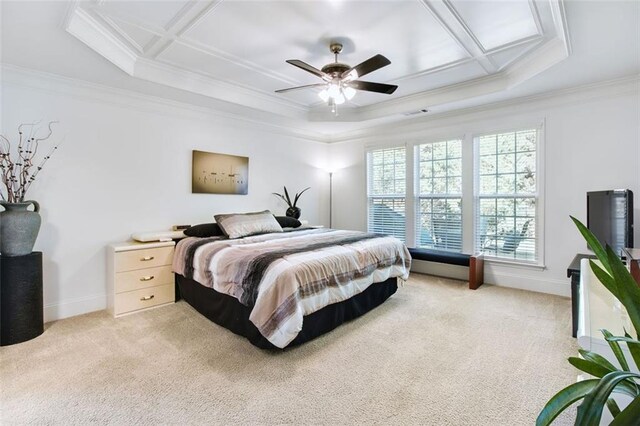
465	194
439	195
507	195
386	191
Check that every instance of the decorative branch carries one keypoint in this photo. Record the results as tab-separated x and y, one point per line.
16	172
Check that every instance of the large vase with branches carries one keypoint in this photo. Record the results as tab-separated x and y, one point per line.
19	168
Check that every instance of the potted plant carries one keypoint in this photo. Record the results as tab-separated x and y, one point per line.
293	210
596	393
18	170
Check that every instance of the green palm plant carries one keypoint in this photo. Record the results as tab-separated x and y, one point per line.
596	393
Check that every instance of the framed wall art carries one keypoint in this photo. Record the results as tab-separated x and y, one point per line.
214	173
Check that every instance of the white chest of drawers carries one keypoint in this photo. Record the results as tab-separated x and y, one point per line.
139	276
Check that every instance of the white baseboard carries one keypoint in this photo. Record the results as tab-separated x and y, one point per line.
502	279
73	307
440	269
523	282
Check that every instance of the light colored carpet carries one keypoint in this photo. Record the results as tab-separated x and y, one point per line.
435	353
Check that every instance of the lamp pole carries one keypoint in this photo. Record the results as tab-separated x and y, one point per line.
330	199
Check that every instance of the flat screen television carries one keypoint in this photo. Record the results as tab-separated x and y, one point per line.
610	217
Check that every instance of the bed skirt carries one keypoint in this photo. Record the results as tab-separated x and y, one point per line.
228	312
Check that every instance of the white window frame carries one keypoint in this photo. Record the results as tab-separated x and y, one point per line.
470	160
540	191
418	196
369	150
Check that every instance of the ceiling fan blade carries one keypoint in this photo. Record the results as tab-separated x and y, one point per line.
370	65
313	70
373	87
301	87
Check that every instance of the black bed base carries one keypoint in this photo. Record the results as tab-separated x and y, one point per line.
228	312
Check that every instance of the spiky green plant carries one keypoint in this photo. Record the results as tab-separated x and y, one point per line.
596	393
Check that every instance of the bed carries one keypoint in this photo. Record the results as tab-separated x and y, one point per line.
281	289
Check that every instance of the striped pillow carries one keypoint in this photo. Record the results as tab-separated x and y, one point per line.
238	225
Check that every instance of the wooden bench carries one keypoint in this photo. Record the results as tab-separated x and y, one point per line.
475	263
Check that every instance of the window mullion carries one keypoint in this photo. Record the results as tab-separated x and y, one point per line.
410	190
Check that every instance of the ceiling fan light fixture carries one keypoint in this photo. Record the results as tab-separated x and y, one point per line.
334	90
353	75
324	95
340	82
349	92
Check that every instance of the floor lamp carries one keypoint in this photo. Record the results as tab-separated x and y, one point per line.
330	199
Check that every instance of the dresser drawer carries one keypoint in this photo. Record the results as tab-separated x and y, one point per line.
143	278
144	298
145	258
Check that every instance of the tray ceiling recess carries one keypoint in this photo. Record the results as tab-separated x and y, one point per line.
442	51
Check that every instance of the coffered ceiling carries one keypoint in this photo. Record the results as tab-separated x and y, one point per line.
441	51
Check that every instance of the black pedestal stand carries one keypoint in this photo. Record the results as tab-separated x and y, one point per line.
21	313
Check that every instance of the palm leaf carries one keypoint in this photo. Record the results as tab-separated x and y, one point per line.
563	399
628	290
590	367
629	415
605	278
633	345
593	242
597	358
617	350
590	411
612	405
628	388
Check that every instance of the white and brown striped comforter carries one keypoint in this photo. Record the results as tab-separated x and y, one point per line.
285	276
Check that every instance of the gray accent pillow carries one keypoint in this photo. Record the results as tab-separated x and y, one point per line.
238	225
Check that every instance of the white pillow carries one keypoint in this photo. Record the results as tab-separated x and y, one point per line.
238	225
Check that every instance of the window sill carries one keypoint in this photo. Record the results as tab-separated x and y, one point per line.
514	263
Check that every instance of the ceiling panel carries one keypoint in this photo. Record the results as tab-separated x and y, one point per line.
463	72
191	59
138	35
496	23
157	13
403	31
505	57
432	44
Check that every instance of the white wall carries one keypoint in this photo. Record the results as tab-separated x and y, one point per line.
124	166
592	139
125	162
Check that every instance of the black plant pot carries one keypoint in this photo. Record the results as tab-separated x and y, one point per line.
294	212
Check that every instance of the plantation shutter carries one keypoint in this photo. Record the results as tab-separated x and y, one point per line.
386	191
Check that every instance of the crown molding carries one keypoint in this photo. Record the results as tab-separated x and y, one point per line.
84	23
87	29
542	58
577	94
200	84
81	23
71	87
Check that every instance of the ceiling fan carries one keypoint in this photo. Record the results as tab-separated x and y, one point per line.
341	80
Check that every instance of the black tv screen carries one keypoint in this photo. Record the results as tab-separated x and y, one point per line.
610	217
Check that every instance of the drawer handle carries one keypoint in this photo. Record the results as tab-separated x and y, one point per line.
149	278
147	297
147	258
